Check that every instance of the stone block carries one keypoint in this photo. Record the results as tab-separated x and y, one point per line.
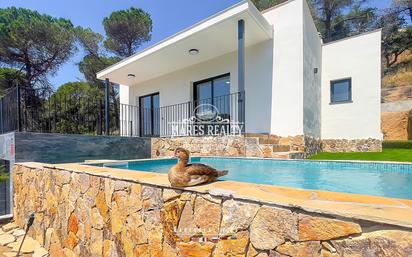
271	227
385	243
207	216
318	228
300	249
236	216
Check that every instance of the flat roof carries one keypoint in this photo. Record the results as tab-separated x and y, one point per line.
213	37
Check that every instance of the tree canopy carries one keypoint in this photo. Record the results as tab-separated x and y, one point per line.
9	78
266	4
404	6
78	105
397	37
337	19
95	60
34	43
91	64
79	91
126	30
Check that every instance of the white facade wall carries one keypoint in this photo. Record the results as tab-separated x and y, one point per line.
177	87
312	59
129	114
359	58
287	93
124	94
284	96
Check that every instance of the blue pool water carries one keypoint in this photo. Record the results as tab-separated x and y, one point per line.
381	179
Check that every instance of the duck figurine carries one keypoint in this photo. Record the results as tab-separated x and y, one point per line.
184	174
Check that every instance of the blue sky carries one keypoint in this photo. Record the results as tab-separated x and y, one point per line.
169	17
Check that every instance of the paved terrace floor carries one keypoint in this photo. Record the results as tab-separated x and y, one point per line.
11	237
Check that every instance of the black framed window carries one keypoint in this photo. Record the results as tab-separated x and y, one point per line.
341	91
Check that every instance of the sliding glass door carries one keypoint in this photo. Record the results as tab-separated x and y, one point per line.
214	91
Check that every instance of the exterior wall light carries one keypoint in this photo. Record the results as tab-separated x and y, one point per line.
193	51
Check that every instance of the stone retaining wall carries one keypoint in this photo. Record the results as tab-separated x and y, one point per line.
239	146
79	214
236	146
355	145
201	146
312	146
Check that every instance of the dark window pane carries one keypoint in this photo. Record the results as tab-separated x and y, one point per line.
204	92
221	91
146	102
156	101
341	91
156	115
149	115
221	86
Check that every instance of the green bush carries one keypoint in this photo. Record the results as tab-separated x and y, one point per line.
397	144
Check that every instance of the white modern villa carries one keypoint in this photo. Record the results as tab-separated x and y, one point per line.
268	71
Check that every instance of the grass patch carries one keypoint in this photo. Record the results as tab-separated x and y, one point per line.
398	151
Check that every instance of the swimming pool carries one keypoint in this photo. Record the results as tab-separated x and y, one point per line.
368	178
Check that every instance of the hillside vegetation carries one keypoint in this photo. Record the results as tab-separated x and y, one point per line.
401	73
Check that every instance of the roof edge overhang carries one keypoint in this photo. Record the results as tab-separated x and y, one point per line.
244	6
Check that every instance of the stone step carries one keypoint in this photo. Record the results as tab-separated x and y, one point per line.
281	148
262	136
269	141
266	139
256	135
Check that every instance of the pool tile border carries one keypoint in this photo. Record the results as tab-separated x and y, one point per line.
382	165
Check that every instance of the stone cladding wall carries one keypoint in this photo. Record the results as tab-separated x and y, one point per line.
235	146
78	214
355	145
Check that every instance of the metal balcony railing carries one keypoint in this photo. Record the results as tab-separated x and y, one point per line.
46	111
164	121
